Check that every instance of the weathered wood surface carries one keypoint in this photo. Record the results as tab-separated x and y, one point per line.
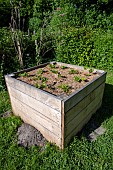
62	125
44	110
77	67
31	117
83	103
81	93
58	120
81	115
81	124
35	93
31	68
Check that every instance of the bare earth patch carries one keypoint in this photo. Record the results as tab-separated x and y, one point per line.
29	136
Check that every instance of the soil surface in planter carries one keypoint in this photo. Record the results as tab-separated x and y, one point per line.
58	80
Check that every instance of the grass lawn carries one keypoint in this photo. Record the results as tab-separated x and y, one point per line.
80	154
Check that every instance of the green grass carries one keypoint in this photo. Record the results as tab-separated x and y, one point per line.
78	155
4	101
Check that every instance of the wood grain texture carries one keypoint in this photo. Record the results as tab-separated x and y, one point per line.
83	103
40	107
79	118
35	93
81	93
62	126
81	125
36	116
30	118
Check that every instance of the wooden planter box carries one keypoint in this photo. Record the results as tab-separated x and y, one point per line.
56	118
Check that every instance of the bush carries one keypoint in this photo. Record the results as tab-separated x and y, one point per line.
75	46
83	46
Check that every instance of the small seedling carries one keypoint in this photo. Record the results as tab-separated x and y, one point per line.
83	78
25	74
37	78
40	71
91	70
64	87
88	74
77	78
72	71
37	85
54	71
43	85
52	66
63	67
44	79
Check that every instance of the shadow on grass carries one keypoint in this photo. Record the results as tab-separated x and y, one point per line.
102	114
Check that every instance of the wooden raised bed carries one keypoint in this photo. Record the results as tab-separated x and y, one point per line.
56	118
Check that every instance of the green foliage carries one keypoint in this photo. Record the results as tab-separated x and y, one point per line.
40	86
40	71
25	74
91	70
75	46
72	71
4	101
44	79
64	87
52	66
79	154
63	67
77	78
54	71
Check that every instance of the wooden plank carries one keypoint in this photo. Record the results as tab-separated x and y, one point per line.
62	126
26	117
81	125
35	93
36	116
44	110
30	69
78	67
82	115
82	92
83	103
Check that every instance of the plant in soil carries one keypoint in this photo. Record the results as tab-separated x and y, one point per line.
52	66
72	71
64	87
77	78
54	71
63	67
40	71
25	74
58	80
91	70
83	78
40	86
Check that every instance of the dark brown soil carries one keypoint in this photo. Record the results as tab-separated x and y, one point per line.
58	80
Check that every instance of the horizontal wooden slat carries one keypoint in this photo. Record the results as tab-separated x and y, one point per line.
81	93
82	115
31	118
44	110
36	116
38	94
77	67
81	125
31	68
83	103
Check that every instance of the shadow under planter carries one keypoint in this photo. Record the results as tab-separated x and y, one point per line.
57	118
